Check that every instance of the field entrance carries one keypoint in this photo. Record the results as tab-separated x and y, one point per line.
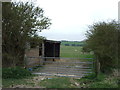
67	67
72	63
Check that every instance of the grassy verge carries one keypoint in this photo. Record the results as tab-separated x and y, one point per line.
14	76
54	82
10	82
101	81
90	81
58	82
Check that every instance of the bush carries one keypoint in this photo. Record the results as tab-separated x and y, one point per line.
102	39
16	73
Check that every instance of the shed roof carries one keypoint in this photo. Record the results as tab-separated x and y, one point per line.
51	41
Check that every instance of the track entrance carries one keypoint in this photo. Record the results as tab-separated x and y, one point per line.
64	67
66	60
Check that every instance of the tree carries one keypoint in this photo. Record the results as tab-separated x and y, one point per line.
35	41
102	39
20	21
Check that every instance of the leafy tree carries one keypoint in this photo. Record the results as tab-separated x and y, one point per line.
86	49
35	41
102	39
20	21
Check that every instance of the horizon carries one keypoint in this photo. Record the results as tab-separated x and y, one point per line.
71	19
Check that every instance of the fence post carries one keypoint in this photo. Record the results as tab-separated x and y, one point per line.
25	61
43	52
97	67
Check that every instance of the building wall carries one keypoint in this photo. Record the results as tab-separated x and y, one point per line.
32	57
33	52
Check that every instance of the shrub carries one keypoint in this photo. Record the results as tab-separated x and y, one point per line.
16	73
102	39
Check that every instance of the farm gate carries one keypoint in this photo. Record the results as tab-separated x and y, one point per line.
67	67
59	60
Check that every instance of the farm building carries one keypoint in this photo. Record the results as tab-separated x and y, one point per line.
51	48
47	50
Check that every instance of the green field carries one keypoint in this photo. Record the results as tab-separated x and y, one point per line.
72	42
73	52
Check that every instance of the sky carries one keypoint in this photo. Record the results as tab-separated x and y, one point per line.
70	18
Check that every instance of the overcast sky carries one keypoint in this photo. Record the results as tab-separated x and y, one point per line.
71	18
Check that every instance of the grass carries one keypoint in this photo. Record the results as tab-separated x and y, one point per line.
58	82
101	81
73	52
15	72
9	82
90	81
72	42
15	76
55	82
103	85
108	82
6	83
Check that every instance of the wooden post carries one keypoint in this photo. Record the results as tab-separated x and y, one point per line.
54	51
97	70
43	52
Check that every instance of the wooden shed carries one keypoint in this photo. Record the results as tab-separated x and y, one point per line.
50	49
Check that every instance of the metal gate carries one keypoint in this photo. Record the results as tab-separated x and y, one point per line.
67	67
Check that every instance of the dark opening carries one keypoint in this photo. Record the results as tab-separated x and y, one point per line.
52	49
